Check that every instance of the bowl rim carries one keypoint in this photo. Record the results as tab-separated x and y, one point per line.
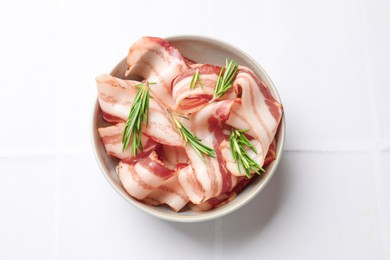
208	215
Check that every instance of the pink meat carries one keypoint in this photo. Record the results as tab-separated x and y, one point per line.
116	97
142	178
174	156
210	178
190	101
260	109
111	137
271	155
157	61
170	193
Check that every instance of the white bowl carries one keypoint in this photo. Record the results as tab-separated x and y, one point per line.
202	50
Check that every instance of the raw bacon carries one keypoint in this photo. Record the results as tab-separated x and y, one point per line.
189	182
156	60
112	140
170	193
261	110
190	101
213	202
238	120
173	156
169	171
271	155
115	98
144	177
222	199
211	176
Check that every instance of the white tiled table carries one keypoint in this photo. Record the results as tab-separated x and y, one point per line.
330	198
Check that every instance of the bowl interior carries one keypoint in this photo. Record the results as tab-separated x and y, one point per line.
202	50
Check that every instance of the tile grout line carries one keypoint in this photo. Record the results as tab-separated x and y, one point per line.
383	146
377	147
218	240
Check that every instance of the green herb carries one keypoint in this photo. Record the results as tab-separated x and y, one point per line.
225	79
138	114
238	141
194	141
195	79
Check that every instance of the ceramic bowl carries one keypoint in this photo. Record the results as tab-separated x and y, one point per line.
202	50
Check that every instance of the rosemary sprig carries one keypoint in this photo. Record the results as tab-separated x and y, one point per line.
225	79
238	141
138	114
193	140
195	79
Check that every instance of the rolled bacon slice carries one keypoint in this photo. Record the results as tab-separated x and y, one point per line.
116	97
111	137
174	156
261	110
191	186
222	199
156	60
190	101
210	178
142	178
238	120
170	193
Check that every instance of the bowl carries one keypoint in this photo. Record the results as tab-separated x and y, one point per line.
202	50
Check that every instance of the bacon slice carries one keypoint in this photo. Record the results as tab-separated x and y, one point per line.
174	155
170	193
222	199
213	202
210	178
190	184
156	60
111	137
190	101
261	110
140	179
238	120
116	97
271	155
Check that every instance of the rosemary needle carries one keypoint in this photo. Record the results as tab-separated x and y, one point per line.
238	141
138	114
225	79
188	137
195	79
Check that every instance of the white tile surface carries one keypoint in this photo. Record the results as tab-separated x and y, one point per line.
329	199
336	218
378	59
384	180
314	51
27	202
95	219
28	81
